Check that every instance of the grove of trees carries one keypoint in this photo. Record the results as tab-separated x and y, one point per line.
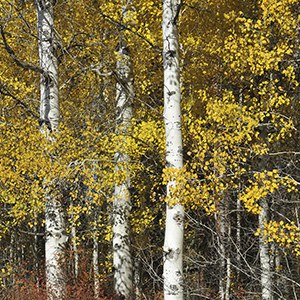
149	149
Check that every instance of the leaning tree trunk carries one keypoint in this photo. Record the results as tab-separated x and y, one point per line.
49	120
122	260
173	244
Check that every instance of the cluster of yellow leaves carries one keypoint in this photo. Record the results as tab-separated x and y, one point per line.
186	188
5	273
264	183
255	49
142	222
286	235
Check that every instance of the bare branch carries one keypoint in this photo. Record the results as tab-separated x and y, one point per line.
4	91
125	27
13	55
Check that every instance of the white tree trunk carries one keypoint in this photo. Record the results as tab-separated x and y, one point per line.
75	251
224	232
238	235
265	263
122	261
221	246
49	120
137	278
173	244
54	248
228	271
96	265
36	252
74	242
49	106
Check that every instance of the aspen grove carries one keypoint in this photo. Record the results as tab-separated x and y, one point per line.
149	149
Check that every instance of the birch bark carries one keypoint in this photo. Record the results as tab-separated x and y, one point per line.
122	261
266	278
173	244
224	233
96	264
49	120
265	264
74	241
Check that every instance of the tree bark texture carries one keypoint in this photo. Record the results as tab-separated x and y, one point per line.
122	261
49	120
173	244
265	261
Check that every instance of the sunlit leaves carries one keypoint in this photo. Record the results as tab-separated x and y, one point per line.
285	234
264	183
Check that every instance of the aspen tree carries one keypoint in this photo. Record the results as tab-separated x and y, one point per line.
265	255
224	232
96	264
265	264
230	125
173	244
122	260
49	121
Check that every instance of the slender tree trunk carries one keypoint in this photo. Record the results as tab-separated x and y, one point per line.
75	251
239	207
266	279
228	270
96	263
265	262
74	241
13	252
224	232
221	246
49	106
238	236
49	120
122	260
137	278
36	252
173	244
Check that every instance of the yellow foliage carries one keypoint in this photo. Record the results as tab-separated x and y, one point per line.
285	234
264	183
